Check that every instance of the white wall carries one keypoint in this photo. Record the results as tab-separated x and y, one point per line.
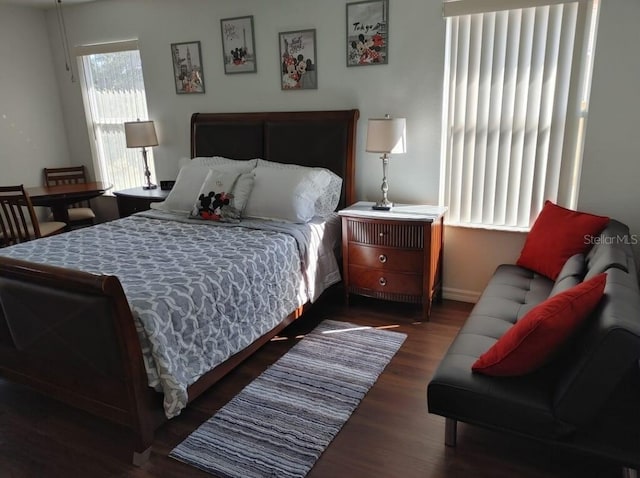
610	183
32	133
411	86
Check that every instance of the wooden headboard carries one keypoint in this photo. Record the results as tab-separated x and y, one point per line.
310	138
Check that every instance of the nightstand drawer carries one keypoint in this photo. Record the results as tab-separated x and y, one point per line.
385	233
385	281
402	260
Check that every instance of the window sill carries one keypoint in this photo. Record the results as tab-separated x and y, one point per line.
488	227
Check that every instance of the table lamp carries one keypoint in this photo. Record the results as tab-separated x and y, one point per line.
142	134
386	135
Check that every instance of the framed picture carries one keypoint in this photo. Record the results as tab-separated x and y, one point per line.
298	67
368	33
187	67
238	46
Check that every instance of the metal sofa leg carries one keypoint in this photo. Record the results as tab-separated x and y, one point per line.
629	473
450	427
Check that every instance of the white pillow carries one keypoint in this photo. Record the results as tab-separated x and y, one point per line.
182	195
328	201
287	194
188	183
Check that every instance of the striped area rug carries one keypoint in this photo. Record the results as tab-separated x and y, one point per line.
279	424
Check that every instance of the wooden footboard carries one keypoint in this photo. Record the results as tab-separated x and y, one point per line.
71	335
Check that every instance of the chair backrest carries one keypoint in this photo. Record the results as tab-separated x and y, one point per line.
68	175
18	220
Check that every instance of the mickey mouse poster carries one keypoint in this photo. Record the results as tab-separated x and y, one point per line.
367	33
238	45
298	67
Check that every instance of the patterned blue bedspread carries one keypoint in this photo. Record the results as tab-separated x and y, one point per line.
199	292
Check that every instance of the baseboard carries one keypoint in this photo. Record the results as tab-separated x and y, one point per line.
461	295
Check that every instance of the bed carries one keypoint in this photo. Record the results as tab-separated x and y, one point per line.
82	337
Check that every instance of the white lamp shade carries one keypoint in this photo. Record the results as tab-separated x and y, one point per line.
140	134
387	135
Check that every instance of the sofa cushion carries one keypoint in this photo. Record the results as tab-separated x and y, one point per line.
556	235
535	338
511	293
607	258
520	404
574	267
571	275
610	250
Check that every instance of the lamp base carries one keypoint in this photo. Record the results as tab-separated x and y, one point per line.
382	205
147	173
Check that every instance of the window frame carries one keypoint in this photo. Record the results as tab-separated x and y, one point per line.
80	52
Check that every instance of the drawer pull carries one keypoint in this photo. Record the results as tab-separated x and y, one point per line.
382	281
382	258
382	234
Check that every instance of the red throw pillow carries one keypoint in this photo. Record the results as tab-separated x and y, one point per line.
531	341
556	235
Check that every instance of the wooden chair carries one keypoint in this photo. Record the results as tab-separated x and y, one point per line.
18	220
80	214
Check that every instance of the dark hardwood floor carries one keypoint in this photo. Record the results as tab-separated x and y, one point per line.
390	435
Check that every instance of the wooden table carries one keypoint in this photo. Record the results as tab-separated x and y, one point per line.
58	198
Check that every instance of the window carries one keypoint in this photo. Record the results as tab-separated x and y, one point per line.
516	83
113	93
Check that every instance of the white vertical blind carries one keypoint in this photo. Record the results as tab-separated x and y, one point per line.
512	105
114	93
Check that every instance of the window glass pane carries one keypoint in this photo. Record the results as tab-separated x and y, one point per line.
115	94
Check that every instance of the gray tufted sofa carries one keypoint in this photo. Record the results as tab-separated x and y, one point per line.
588	397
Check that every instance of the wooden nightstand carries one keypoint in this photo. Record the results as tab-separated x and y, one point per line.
393	255
135	200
